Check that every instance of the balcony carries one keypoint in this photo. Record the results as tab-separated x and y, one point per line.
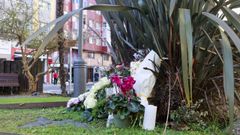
95	48
87	47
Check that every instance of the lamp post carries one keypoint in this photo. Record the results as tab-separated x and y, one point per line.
80	67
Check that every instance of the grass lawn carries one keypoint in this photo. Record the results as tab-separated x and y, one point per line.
20	100
10	120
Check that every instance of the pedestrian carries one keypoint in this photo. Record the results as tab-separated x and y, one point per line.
55	77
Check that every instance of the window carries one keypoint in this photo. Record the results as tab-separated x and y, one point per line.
105	43
84	19
90	4
75	33
2	3
105	57
91	55
98	42
42	24
98	12
75	1
44	5
97	26
91	23
91	40
104	24
85	3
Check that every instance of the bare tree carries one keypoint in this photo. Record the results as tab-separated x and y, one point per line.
15	24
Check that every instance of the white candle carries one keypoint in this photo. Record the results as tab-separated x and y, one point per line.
149	117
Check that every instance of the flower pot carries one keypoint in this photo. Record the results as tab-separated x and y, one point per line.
121	123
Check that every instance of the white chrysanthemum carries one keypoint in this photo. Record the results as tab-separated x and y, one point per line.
83	96
89	97
100	84
90	102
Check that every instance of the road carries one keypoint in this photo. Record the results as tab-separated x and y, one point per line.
55	89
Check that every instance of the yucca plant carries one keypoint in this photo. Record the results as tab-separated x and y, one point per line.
191	34
194	36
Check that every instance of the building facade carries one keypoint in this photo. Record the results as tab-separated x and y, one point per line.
96	34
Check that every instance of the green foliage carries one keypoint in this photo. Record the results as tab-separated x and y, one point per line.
190	116
99	111
185	33
10	120
126	107
119	70
156	25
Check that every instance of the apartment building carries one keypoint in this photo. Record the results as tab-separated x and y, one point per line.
96	34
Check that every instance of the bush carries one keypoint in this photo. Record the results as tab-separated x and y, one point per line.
190	116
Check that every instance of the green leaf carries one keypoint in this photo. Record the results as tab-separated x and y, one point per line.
133	107
232	17
226	28
185	29
111	105
172	7
228	75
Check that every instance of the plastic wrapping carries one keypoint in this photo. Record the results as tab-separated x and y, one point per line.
145	79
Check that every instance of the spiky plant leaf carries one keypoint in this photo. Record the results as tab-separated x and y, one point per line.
185	29
232	16
226	27
228	76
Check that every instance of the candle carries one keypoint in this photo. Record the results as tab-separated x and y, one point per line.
149	117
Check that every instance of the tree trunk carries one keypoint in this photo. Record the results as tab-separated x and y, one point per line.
32	84
62	74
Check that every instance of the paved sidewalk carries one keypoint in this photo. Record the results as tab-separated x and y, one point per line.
55	89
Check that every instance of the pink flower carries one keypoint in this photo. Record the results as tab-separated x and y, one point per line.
127	84
116	79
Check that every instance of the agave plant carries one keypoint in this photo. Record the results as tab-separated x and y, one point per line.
194	36
191	34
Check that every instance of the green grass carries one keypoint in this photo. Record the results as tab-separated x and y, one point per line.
10	120
20	100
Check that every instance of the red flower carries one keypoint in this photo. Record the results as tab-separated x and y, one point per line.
127	84
116	79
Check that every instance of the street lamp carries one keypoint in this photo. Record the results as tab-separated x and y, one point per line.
80	67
